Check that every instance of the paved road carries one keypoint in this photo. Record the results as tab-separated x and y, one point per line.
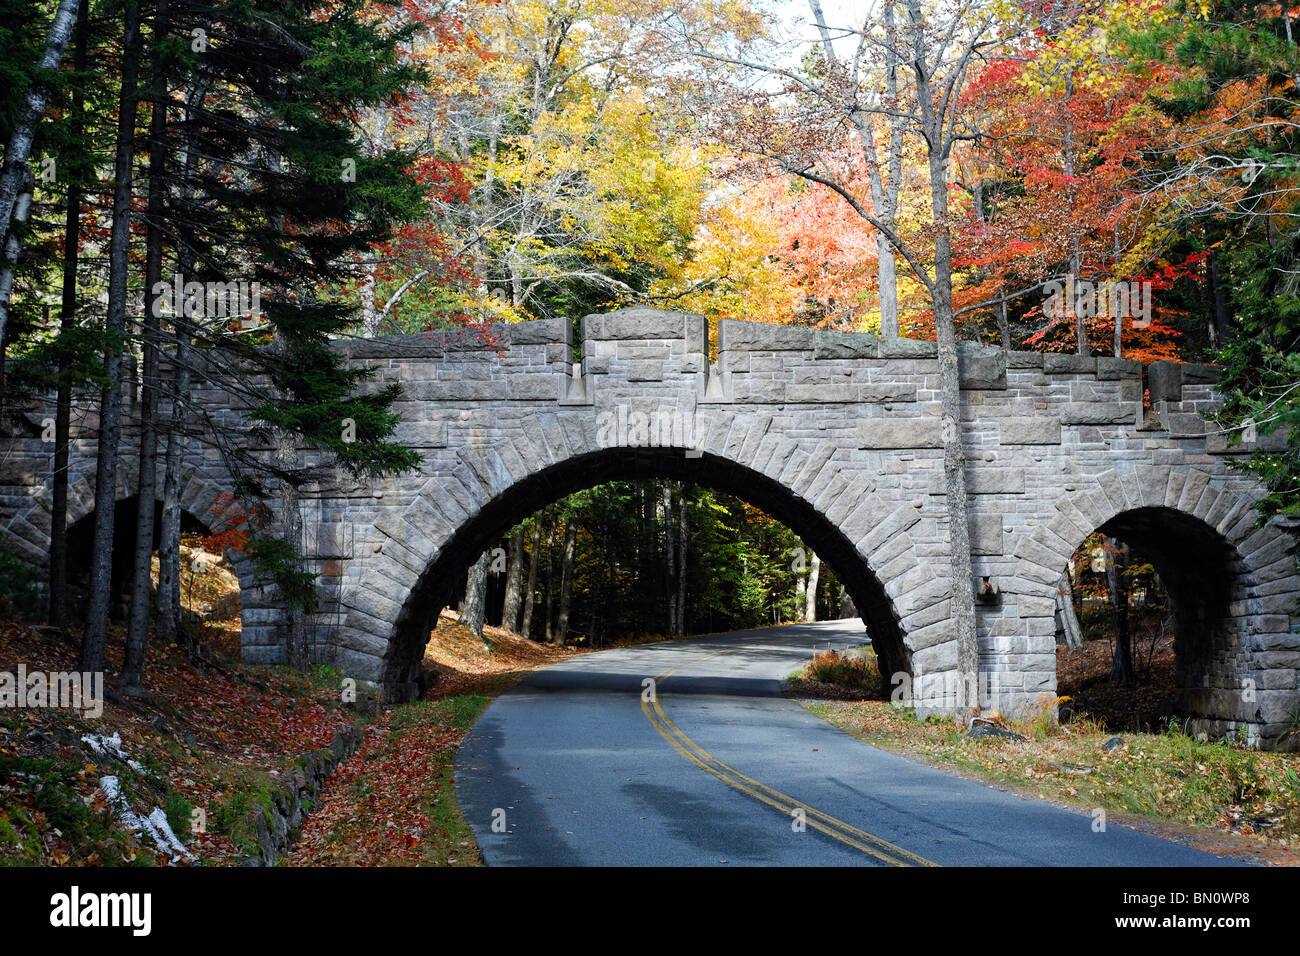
715	768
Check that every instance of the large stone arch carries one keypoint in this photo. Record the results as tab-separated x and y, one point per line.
494	485
1233	582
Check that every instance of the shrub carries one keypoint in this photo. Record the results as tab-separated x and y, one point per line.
179	813
856	672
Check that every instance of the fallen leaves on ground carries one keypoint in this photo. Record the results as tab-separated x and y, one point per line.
205	734
393	802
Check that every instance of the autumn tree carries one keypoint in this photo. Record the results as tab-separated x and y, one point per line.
798	121
1231	177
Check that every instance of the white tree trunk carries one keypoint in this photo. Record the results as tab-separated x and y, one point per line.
370	314
810	592
888	272
19	147
9	262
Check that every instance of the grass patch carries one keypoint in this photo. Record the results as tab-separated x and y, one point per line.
1166	776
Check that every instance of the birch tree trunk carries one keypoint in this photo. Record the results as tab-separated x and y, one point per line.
171	625
19	147
810	594
370	315
13	244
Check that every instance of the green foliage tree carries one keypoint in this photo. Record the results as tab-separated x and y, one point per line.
743	568
1235	182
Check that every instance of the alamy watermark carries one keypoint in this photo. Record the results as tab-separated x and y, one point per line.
209	300
951	691
668	427
1082	299
75	908
69	690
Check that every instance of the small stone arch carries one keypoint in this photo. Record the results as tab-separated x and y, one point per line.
1233	582
28	531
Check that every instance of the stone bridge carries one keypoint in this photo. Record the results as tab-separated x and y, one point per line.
835	434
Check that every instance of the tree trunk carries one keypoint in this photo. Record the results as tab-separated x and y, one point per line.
171	627
962	606
19	147
1076	264
1116	564
138	627
1219	321
810	595
1004	326
530	593
474	607
566	580
58	613
13	244
954	461
847	608
886	267
299	654
101	556
514	582
648	565
670	559
171	624
369	309
548	581
1067	622
681	559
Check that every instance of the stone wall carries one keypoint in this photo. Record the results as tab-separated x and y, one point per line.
274	825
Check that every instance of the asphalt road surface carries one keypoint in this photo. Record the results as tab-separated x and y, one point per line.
585	764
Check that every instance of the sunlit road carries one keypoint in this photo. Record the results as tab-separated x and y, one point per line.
583	766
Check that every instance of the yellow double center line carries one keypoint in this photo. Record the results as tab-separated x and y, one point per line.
846	833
